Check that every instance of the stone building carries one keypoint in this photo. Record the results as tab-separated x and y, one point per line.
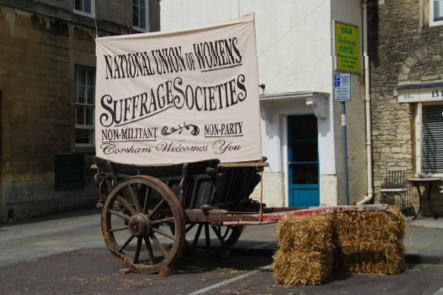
406	53
47	76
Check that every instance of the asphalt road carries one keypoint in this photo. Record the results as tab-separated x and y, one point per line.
67	255
96	272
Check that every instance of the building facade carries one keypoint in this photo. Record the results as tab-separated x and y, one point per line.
47	87
406	56
47	71
301	123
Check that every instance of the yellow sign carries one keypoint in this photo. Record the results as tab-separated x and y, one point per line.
347	53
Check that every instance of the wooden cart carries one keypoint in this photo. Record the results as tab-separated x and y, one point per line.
153	213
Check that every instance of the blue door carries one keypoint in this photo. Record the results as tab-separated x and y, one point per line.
303	165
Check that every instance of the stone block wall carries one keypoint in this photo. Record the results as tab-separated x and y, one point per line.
41	42
37	55
403	49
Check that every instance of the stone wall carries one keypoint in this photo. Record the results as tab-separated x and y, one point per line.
403	49
40	45
37	55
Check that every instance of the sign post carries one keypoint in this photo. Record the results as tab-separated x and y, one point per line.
342	94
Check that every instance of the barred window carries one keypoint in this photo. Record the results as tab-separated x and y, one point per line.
432	139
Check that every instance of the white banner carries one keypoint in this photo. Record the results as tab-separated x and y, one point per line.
179	97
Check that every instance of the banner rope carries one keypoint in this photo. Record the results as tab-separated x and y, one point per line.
261	190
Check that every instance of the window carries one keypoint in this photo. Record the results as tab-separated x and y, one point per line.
85	7
84	106
432	138
436	13
140	18
429	139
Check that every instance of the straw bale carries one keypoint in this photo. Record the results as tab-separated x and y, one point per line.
302	268
361	242
305	233
385	225
369	257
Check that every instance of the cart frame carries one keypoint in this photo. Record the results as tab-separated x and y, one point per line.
181	203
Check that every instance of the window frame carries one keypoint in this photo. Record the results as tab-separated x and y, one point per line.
433	23
419	138
137	28
84	13
85	105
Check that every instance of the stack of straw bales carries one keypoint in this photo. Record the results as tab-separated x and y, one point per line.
305	255
369	242
363	242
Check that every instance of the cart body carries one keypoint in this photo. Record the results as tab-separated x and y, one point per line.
200	207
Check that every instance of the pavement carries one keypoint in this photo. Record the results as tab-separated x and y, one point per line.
81	230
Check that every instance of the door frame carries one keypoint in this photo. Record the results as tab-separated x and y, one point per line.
288	140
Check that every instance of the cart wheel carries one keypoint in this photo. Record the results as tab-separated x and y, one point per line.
199	242
136	232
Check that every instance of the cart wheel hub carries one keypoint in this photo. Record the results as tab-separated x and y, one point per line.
139	225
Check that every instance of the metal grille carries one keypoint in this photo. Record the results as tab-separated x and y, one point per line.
433	139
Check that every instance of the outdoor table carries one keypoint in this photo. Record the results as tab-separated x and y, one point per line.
424	181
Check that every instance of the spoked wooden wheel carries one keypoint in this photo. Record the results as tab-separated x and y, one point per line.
204	239
136	220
